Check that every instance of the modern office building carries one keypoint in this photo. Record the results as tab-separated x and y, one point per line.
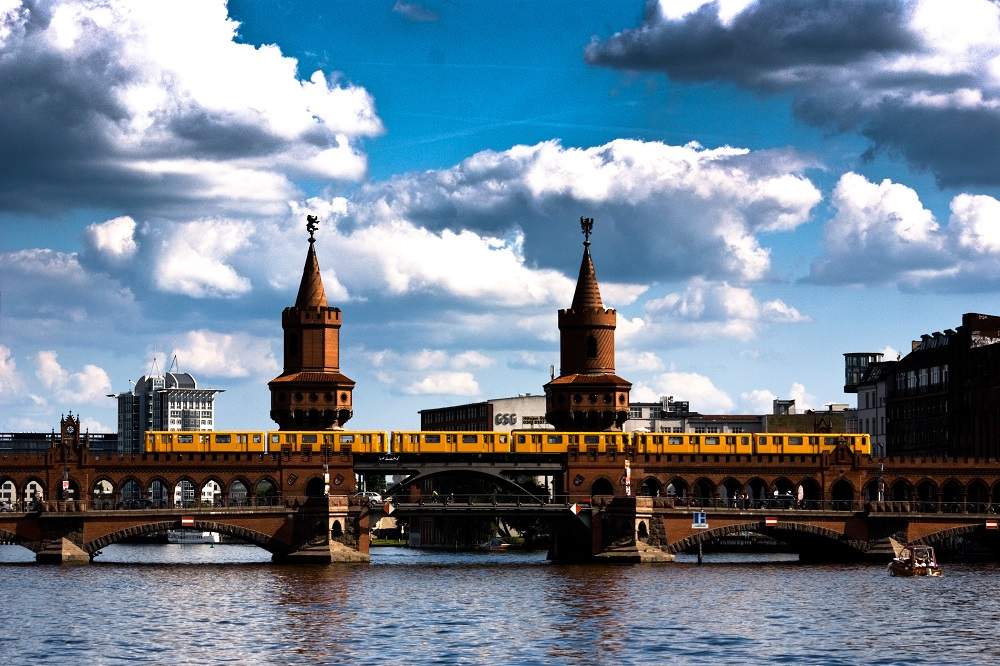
171	401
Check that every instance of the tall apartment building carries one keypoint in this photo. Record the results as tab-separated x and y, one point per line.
171	401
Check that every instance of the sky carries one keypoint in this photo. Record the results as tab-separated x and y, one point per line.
775	183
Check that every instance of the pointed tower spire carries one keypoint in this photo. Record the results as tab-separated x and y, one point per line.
588	293
311	292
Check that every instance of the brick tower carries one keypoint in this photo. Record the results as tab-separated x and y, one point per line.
311	393
587	394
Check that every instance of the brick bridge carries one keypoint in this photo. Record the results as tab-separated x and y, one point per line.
301	507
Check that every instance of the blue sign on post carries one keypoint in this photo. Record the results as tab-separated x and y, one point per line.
699	520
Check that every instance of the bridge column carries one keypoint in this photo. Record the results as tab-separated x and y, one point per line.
330	531
61	541
627	530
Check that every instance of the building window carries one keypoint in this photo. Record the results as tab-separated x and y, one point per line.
635	412
700	429
591	346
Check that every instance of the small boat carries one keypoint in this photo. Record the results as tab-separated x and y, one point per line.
192	537
913	560
494	545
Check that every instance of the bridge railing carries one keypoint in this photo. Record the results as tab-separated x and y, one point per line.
111	504
853	505
481	499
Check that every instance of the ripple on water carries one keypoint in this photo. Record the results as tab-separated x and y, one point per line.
193	604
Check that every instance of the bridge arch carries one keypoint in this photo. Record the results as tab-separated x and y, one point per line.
265	541
184	491
502	481
265	490
901	490
952	494
159	492
602	486
927	495
977	496
703	490
812	492
842	494
791	532
650	487
315	487
34	487
678	487
211	490
9	538
238	493
8	489
935	538
129	493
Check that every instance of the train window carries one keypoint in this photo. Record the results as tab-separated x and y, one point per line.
831	441
814	441
657	439
744	441
274	439
488	439
242	439
185	439
730	440
432	439
711	441
344	439
450	439
290	439
416	438
574	439
520	439
223	439
676	441
469	439
503	439
695	439
555	439
793	440
312	439
590	439
168	438
328	439
779	440
204	438
536	439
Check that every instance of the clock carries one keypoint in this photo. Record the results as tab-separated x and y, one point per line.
70	429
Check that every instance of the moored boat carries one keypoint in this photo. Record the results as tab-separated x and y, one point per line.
913	560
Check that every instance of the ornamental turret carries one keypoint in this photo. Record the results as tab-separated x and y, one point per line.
311	393
587	394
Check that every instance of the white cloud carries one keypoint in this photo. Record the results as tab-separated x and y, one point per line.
88	386
704	396
920	78
157	103
803	399
758	401
232	355
637	361
93	425
193	258
11	383
445	383
889	353
114	239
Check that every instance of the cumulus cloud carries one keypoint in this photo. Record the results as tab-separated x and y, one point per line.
445	383
637	361
11	383
882	233
699	390
112	240
193	258
760	401
88	386
233	355
916	77
662	211
156	104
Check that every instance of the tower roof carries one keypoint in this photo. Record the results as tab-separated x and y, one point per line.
311	292
588	294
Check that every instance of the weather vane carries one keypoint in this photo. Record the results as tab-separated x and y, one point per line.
312	224
587	224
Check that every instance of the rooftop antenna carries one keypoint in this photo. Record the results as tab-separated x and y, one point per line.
154	370
174	365
552	372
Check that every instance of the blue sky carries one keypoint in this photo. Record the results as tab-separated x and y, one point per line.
773	186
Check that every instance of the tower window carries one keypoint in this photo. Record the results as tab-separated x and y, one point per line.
591	346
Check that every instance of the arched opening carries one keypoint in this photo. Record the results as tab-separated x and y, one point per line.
34	491
130	495
758	492
336	530
265	492
649	487
873	491
159	495
238	493
731	492
103	494
810	492
951	496
842	494
643	531
678	488
315	487
995	495
8	493
72	494
184	493
783	493
591	346
602	487
704	492
927	496
211	493
901	491
977	497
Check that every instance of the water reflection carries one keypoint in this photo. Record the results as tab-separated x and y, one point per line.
197	604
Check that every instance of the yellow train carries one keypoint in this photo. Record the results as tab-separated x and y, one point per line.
524	441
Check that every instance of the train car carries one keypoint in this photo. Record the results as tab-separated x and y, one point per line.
809	443
686	442
450	441
334	441
548	441
181	441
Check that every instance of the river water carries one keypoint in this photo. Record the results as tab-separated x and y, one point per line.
201	604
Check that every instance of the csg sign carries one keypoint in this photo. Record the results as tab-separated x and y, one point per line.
505	419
